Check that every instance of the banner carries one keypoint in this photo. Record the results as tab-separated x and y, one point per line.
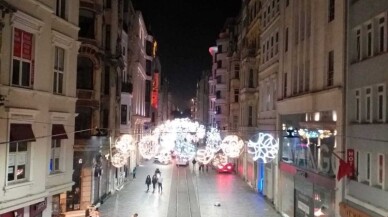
350	160
154	91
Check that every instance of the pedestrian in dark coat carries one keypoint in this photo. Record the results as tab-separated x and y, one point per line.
154	181
148	182
134	172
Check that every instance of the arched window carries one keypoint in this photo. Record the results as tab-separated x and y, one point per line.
84	73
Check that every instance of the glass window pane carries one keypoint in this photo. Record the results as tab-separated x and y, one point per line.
11	173
22	146
58	143
60	83
21	172
56	164
26	74
12	147
15	72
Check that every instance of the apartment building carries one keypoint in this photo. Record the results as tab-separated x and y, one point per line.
366	109
202	99
38	83
270	34
310	104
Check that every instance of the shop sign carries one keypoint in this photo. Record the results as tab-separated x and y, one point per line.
155	89
38	208
350	160
348	211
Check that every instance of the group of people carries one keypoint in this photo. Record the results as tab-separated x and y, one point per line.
201	166
156	179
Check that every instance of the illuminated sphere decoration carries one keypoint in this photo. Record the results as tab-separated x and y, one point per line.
148	147
213	140
119	159
124	143
232	145
264	147
164	156
204	156
219	159
185	148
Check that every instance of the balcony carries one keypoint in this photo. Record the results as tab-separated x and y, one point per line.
127	87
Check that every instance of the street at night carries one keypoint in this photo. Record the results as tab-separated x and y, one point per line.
187	193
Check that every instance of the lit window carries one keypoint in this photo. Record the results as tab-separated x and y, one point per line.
22	67
59	68
17	161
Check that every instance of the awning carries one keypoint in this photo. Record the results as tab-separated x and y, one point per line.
58	132
22	132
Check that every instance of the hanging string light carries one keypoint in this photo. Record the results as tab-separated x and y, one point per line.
204	156
119	159
213	140
124	143
148	147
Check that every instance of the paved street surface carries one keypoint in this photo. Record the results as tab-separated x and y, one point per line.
186	193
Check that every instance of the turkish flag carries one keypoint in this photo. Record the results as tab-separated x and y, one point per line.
344	169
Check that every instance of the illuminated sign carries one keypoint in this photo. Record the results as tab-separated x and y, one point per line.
155	48
154	93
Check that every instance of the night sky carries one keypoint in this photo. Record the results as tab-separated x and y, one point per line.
185	29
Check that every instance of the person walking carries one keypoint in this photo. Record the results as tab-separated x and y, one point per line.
134	173
135	215
154	181
194	162
148	182
160	184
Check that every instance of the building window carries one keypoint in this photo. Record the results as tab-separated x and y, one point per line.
59	69
368	167
287	3
124	112
61	9
17	161
381	170
250	116
22	63
218	110
368	104
86	22
219	64
85	71
358	106
236	94
369	42
358	44
55	155
237	71
382	33
235	122
307	75
381	103
251	82
218	94
285	84
330	69
219	49
107	37
83	122
219	79
331	10
108	4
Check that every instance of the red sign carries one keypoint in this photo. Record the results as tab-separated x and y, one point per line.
350	160
17	43
154	93
15	213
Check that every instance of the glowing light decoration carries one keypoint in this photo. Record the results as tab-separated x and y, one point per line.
164	156
263	146
204	156
148	147
124	143
219	159
232	145
213	140
119	159
184	148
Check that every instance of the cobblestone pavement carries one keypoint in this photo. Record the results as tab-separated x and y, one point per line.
187	193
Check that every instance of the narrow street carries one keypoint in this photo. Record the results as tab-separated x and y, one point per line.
186	193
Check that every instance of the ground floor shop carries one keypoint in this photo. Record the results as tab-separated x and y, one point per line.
34	210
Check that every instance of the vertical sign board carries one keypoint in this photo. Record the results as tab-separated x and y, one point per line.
155	87
350	160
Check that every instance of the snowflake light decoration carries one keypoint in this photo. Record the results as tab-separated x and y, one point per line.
232	145
264	147
124	143
119	159
204	156
148	147
219	159
213	140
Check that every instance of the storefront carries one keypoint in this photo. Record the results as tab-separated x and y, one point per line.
348	211
307	165
37	209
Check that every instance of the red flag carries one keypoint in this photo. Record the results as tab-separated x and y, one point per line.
344	169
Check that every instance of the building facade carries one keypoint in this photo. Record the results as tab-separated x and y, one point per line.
201	113
310	106
38	81
366	108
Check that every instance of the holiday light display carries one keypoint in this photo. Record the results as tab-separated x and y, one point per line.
204	156
164	156
232	145
219	159
148	147
119	159
264	147
124	144
213	140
